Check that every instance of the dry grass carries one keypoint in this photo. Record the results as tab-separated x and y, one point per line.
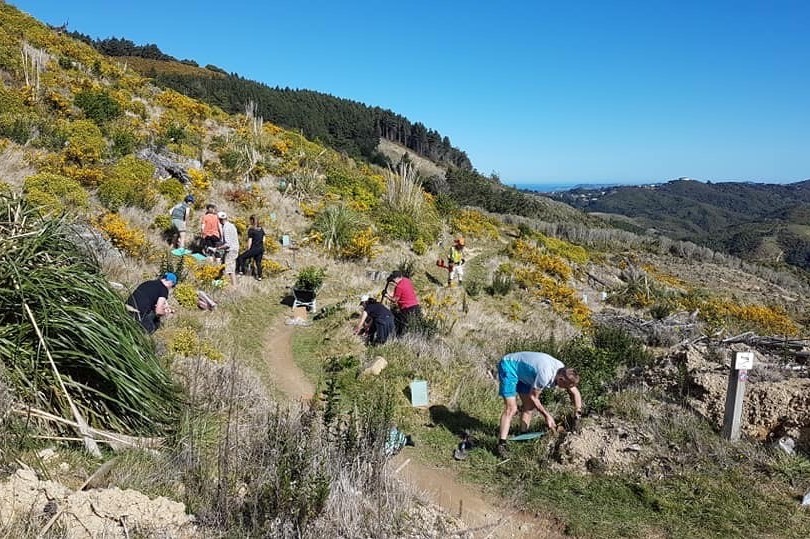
13	166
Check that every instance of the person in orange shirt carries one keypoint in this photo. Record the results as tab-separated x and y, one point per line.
210	228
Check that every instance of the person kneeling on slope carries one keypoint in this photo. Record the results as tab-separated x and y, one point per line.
527	374
376	321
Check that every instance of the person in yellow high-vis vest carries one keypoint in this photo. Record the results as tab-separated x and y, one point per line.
455	262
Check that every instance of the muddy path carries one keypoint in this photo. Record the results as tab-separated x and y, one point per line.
483	516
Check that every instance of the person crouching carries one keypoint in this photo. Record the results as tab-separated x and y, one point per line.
376	321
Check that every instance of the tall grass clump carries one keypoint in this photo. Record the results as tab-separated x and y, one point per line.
337	225
407	213
51	283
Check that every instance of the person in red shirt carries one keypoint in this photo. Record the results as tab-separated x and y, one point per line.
405	301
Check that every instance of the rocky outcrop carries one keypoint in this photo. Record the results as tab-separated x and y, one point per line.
165	166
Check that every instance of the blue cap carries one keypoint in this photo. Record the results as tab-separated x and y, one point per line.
171	277
189	198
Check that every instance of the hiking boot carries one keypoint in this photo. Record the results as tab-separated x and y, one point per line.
501	451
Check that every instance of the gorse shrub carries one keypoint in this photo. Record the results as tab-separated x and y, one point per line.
55	193
271	267
130	240
362	246
186	295
553	265
475	224
85	143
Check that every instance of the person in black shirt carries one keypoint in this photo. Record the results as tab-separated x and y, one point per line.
148	302
376	321
255	249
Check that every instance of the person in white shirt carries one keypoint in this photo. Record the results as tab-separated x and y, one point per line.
230	236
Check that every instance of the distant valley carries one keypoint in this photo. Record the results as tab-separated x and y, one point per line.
758	222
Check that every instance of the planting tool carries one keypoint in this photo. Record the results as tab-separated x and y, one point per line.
526	436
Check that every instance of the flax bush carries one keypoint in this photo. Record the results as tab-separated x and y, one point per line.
105	360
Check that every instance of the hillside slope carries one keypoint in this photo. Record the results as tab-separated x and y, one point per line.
763	222
650	323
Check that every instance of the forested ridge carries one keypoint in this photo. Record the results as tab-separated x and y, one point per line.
346	125
755	221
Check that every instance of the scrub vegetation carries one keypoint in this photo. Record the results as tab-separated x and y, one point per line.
95	155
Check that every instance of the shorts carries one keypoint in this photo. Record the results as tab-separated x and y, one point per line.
230	262
457	273
508	383
179	224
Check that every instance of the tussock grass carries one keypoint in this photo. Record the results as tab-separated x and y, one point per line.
104	359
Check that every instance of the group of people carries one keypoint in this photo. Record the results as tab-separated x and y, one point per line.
219	237
523	374
377	322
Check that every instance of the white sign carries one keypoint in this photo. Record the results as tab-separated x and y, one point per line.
744	360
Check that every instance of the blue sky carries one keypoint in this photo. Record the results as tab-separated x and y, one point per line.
540	92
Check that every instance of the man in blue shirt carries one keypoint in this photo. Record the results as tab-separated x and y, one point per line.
527	374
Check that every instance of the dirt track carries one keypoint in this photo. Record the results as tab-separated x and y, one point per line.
484	517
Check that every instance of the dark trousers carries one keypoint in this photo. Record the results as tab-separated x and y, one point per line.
149	321
210	241
380	330
404	318
254	254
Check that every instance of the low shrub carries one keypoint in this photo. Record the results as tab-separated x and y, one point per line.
475	224
54	192
129	183
130	240
271	267
19	127
172	190
97	105
502	282
310	278
419	246
362	246
206	274
186	295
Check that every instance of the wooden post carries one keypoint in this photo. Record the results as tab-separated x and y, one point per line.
737	377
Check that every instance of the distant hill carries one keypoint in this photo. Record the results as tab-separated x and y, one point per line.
755	221
346	125
373	134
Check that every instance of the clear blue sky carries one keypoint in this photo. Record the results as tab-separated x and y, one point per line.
537	91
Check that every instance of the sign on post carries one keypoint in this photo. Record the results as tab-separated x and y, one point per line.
737	377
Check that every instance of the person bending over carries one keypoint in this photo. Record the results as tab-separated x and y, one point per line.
527	374
376	321
148	302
